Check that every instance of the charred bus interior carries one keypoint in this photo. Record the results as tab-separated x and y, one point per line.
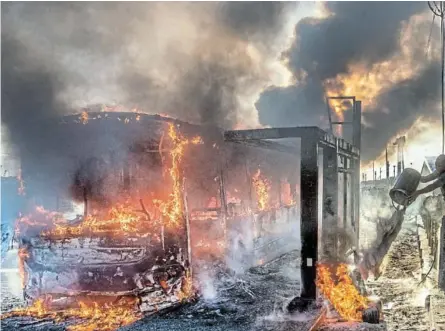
133	203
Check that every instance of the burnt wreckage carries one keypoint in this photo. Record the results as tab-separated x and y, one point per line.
133	203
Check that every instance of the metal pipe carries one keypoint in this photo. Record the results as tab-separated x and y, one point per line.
309	217
442	81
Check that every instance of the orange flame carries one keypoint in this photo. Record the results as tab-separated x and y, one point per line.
186	289
286	194
83	117
342	293
262	188
118	221
165	115
172	209
94	316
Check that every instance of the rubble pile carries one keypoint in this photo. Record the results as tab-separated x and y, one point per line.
398	289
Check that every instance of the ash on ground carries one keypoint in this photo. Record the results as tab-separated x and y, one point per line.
252	300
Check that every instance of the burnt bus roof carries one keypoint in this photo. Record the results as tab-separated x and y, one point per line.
99	131
156	123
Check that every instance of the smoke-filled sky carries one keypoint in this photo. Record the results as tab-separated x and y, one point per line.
237	64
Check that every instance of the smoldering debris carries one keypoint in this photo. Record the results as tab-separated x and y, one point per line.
241	301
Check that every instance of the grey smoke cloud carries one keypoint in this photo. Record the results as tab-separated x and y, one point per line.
406	101
354	32
189	60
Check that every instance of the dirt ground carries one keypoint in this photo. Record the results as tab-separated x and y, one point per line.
253	301
398	288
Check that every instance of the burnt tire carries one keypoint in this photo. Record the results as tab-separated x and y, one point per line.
371	315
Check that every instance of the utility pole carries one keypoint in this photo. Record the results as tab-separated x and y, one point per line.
438	9
400	143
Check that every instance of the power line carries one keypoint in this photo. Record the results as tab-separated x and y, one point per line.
438	9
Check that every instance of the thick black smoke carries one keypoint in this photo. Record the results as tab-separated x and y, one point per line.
220	70
354	32
405	101
188	60
29	97
72	53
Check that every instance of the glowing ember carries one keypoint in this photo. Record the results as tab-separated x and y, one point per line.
83	117
21	189
286	194
341	292
262	187
119	220
186	288
164	115
92	315
173	208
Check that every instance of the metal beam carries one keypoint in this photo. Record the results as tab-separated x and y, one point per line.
308	132
274	133
309	217
267	145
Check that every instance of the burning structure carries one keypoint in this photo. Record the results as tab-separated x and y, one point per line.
139	201
138	198
109	221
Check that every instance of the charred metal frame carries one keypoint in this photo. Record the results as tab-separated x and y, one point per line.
317	169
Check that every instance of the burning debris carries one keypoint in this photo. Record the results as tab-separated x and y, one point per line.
88	314
336	285
117	239
262	188
108	254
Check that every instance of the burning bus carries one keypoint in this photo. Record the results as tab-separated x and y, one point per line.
123	205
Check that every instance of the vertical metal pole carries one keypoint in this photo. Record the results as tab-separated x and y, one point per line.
309	216
440	255
442	77
356	164
222	192
357	125
187	228
321	198
439	11
330	190
331	131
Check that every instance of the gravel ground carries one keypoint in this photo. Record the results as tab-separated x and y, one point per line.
253	301
402	298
